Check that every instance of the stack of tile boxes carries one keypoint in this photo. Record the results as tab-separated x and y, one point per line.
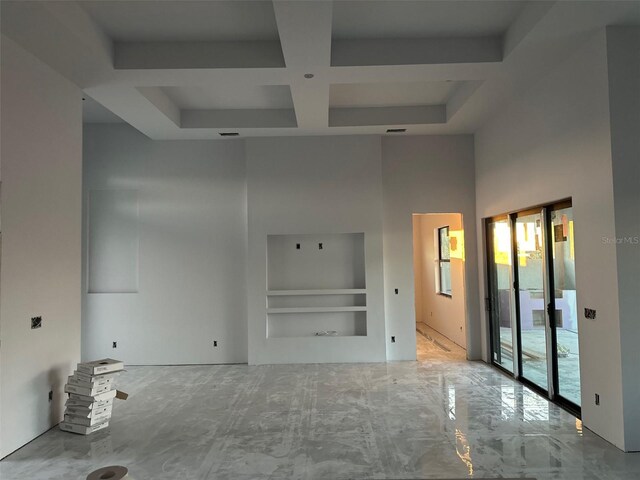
91	391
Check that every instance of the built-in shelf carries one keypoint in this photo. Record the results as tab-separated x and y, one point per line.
344	291
316	309
308	322
294	337
316	283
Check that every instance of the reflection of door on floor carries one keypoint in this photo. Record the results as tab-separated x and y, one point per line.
532	299
438	255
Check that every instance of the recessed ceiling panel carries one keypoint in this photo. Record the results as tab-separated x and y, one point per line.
414	19
184	20
230	97
390	94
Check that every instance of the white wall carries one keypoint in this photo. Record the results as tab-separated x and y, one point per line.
175	213
41	251
425	174
553	143
623	45
178	223
314	185
444	314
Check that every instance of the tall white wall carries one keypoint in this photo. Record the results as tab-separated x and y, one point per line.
444	314
623	45
314	185
41	151
166	251
552	143
425	174
167	264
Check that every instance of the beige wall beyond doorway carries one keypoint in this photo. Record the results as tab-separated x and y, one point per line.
444	314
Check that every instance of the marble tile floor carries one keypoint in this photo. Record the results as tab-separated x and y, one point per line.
440	417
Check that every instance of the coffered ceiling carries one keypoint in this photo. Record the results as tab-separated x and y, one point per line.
194	69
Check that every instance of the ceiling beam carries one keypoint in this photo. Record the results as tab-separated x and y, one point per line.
311	103
305	36
162	102
460	97
136	109
416	51
530	16
305	32
527	21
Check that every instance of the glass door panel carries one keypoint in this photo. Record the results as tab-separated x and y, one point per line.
532	300
531	296
500	308
566	309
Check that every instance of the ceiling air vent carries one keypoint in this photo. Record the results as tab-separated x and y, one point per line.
396	130
229	134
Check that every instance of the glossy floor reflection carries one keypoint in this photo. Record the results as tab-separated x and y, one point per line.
440	417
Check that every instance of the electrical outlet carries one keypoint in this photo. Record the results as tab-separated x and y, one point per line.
589	313
297	246
396	290
51	395
393	339
36	322
115	345
320	246
597	399
215	343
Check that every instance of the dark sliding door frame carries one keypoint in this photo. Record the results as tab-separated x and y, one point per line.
552	311
550	300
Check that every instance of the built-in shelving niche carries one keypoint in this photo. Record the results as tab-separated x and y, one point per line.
316	284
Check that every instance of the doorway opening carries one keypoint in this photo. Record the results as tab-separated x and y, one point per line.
532	300
438	266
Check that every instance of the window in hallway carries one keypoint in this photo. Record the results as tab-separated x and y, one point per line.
444	262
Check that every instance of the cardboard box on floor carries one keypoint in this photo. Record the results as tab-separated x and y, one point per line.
81	429
91	392
97	367
102	378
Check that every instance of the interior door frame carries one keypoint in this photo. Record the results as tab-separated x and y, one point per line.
552	390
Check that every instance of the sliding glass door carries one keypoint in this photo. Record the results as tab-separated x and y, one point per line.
565	311
500	304
530	271
532	300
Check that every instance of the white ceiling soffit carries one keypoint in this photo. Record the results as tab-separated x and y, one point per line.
93	112
353	20
230	97
184	21
400	94
193	69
